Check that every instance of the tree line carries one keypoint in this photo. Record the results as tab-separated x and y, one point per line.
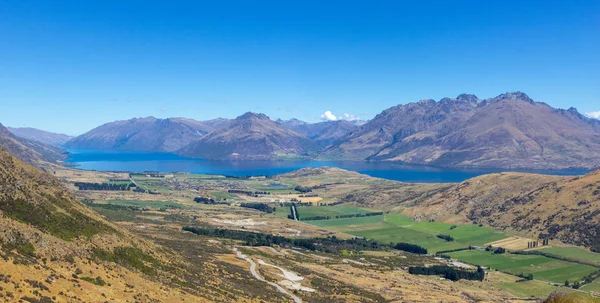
104	186
264	207
450	273
330	244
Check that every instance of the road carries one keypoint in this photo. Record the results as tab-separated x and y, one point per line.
259	278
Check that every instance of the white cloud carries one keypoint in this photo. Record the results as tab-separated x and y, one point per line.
329	116
161	109
349	117
595	115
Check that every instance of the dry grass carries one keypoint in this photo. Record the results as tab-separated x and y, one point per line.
570	297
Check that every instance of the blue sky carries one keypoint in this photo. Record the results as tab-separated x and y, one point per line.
69	66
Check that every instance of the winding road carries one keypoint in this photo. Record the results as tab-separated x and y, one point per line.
259	278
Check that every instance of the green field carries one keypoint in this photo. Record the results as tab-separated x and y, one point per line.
528	289
464	234
541	267
594	286
220	195
386	233
367	221
400	228
574	253
332	211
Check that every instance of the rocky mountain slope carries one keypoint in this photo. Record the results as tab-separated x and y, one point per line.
251	137
324	133
39	135
146	134
55	249
563	208
508	131
30	151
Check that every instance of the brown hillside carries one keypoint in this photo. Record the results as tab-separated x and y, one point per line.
563	208
251	137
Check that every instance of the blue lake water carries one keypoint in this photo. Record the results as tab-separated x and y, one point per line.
133	161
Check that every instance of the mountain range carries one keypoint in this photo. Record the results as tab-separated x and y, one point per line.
146	134
251	136
510	131
40	135
29	151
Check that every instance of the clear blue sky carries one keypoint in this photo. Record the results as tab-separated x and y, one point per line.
68	66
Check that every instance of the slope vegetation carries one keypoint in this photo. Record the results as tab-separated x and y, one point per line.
30	151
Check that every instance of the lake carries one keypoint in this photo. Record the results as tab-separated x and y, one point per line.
134	161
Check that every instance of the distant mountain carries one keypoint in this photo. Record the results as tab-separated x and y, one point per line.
251	137
40	135
508	131
146	134
539	206
30	151
325	133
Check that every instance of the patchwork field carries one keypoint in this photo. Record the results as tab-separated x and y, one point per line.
400	228
574	253
541	267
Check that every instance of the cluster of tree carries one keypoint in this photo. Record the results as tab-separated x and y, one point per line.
446	238
139	190
328	245
412	248
239	191
534	244
575	285
204	200
527	277
496	250
103	186
380	213
448	272
303	189
156	175
264	207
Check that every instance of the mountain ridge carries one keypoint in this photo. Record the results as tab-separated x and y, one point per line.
30	151
251	136
39	135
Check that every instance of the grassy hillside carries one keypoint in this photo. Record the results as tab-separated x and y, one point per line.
539	206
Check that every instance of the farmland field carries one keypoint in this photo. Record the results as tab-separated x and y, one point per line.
332	211
541	267
352	222
465	234
220	195
574	253
400	228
